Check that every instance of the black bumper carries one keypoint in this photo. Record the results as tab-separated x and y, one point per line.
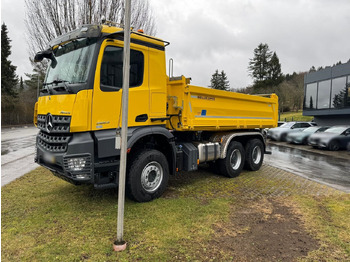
80	145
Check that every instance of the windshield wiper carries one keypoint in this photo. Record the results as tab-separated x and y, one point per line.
57	81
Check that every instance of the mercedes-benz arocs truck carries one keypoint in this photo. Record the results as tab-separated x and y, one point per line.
172	125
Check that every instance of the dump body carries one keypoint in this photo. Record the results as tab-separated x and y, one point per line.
205	109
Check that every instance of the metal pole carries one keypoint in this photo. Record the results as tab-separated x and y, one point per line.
37	91
125	98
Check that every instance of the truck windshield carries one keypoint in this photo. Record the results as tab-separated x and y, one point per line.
73	62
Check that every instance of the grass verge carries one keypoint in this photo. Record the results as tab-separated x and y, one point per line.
46	219
295	116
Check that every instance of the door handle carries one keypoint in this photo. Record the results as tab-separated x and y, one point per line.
141	118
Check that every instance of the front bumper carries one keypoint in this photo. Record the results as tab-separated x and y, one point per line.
81	147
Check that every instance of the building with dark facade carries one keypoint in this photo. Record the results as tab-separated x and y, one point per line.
327	95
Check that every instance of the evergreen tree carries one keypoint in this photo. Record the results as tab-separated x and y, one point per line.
21	85
219	81
259	64
9	78
214	82
312	69
274	69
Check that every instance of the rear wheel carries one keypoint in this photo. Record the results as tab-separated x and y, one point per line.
254	154
232	164
148	176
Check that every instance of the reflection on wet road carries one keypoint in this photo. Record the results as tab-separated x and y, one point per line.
17	152
321	168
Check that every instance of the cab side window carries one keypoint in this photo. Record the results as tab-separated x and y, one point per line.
112	68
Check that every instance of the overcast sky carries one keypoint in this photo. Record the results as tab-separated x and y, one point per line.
206	35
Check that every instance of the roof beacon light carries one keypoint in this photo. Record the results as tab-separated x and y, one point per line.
140	31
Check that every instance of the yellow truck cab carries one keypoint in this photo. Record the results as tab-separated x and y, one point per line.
173	125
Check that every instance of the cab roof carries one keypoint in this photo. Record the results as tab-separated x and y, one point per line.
106	31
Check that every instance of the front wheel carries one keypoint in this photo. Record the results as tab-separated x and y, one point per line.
148	176
232	164
333	146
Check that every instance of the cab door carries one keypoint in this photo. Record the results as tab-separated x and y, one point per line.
107	95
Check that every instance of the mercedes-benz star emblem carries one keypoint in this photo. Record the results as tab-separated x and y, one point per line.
49	123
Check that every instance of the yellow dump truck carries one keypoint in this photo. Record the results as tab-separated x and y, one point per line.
173	125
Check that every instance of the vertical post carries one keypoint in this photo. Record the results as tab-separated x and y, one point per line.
90	11
37	91
120	244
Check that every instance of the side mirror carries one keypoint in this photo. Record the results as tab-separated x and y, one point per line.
46	54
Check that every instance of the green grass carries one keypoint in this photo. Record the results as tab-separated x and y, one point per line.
46	219
295	116
329	217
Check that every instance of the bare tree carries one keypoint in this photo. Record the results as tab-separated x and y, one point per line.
47	19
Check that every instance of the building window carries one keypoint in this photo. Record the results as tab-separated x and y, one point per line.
339	98
310	96
324	90
112	68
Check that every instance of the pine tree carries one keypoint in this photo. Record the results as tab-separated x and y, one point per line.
274	69
259	64
223	82
214	82
219	81
9	78
312	69
21	85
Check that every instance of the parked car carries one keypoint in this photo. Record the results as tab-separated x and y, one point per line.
302	136
334	138
280	133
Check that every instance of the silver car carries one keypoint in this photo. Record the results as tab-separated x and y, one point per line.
301	137
334	138
280	133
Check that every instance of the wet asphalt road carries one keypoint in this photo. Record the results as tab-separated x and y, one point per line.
17	152
326	169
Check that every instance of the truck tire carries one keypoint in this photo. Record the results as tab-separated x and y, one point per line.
254	157
232	164
148	175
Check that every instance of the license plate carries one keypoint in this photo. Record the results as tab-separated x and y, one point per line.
49	158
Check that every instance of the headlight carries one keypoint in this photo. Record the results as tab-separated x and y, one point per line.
76	164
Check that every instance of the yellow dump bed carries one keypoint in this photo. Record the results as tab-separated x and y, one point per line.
198	108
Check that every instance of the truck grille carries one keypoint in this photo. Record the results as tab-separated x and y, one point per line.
54	133
53	143
59	124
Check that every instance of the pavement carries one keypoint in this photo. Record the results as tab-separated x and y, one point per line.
17	152
326	167
343	154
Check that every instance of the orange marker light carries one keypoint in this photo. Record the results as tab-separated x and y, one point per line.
140	31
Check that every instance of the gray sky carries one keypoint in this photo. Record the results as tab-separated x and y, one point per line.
206	35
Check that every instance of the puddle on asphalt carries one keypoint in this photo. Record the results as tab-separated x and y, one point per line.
321	168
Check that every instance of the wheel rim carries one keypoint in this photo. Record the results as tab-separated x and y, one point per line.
334	146
152	176
235	159
256	155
